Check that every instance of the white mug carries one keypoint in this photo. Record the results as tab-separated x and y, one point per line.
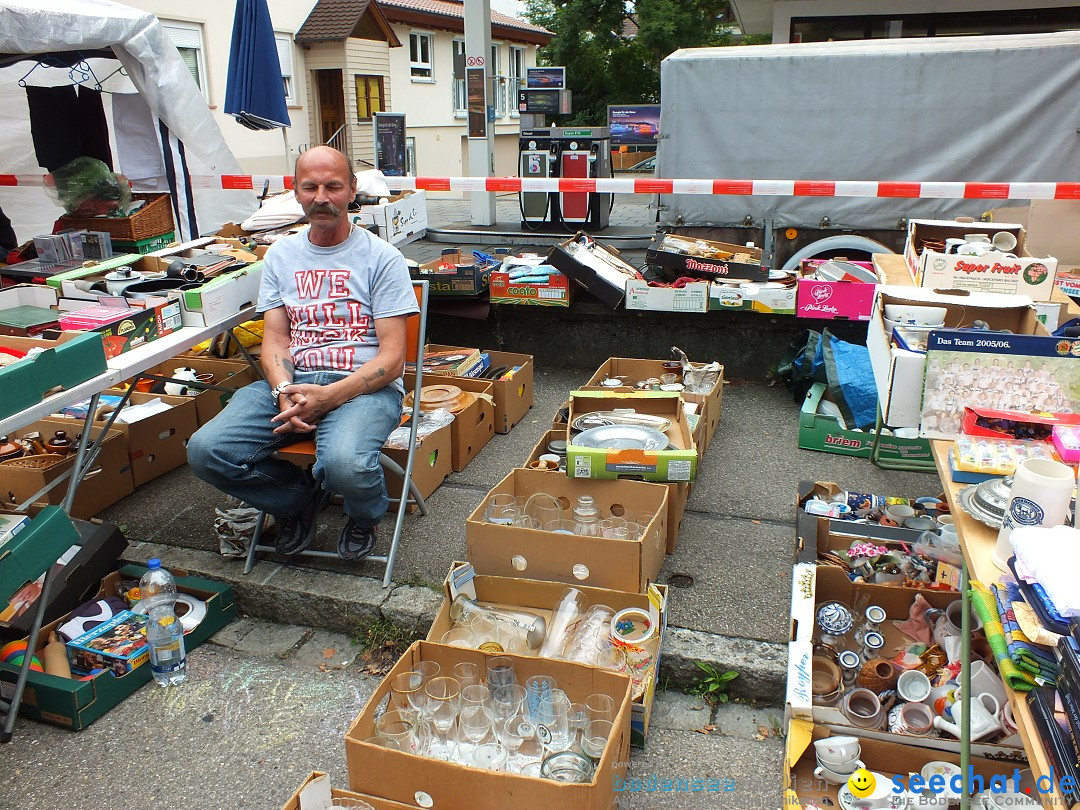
837	750
1040	496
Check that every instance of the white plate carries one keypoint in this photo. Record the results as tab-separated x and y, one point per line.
621	437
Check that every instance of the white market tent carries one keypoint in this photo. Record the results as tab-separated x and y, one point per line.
182	139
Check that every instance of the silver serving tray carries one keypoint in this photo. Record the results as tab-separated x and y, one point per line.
622	437
596	419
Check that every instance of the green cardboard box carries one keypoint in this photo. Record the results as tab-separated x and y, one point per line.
75	704
28	554
662	466
73	358
823	432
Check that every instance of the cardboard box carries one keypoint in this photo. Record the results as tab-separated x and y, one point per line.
401	220
65	362
454	275
30	553
474	426
229	374
98	546
222	296
514	396
753	296
663	466
397	775
816	584
899	373
108	480
678	494
539	598
833	300
599	269
118	645
316	794
690	256
80	282
890	758
75	704
554	293
158	443
693	297
138	327
599	562
27	309
710	405
432	462
991	272
819	431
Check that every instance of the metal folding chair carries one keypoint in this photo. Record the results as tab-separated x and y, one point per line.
304	452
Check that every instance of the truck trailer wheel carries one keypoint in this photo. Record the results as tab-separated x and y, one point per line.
851	246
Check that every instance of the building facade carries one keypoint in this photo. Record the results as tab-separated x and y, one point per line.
343	60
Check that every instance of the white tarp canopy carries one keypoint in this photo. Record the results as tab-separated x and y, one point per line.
186	138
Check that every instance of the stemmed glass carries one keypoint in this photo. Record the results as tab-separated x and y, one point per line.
577	719
476	723
517	733
407	693
441	710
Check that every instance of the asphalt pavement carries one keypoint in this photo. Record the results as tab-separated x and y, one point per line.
270	698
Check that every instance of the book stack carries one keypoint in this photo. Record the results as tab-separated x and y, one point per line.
457	363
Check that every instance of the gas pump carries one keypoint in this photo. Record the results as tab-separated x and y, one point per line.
584	153
536	159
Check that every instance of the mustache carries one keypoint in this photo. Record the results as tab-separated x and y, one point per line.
324	208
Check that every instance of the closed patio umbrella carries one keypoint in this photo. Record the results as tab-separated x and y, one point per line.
254	91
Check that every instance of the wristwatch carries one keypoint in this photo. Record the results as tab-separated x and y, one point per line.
279	389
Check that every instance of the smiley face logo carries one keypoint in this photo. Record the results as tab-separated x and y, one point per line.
861	783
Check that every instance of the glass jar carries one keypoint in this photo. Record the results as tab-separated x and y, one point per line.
567	766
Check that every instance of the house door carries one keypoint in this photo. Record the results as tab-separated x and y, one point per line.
331	109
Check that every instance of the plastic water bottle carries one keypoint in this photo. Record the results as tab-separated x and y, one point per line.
164	633
157	586
165	638
586	517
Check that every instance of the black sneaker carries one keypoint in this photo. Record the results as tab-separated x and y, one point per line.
296	533
356	542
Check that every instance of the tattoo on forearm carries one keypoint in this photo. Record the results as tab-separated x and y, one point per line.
287	364
373	377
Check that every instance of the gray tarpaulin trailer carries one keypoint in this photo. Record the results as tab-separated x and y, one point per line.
977	109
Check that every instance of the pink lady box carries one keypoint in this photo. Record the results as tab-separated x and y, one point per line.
1067	441
848	299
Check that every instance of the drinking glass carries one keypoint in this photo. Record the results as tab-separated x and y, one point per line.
577	719
545	508
595	737
613	528
490	756
467	673
560	526
460	637
531	768
501	509
500	674
634	531
399	729
610	656
407	693
476	723
600	707
538	697
443	701
427	669
476	694
555	733
509	700
567	766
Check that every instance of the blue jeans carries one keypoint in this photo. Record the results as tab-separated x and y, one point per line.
234	451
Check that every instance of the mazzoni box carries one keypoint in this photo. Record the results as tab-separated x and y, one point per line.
539	598
600	562
96	550
106	482
802	788
820	431
993	272
555	292
400	220
63	363
678	494
662	466
813	585
692	297
899	373
474	426
596	267
710	405
686	255
833	300
75	704
398	775
513	396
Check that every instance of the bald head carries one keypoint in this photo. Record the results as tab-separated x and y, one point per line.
324	158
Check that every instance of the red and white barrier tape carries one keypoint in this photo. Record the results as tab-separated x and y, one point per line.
615	185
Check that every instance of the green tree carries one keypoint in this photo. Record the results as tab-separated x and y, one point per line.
612	49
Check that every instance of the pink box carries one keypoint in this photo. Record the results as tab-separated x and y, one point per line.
92	317
851	300
1067	441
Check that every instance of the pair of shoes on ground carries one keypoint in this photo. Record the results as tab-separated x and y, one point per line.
297	533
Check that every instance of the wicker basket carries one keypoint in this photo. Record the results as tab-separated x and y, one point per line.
39	462
153	219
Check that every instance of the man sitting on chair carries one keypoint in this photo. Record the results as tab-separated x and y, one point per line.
335	300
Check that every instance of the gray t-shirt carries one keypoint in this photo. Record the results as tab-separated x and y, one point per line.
333	295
